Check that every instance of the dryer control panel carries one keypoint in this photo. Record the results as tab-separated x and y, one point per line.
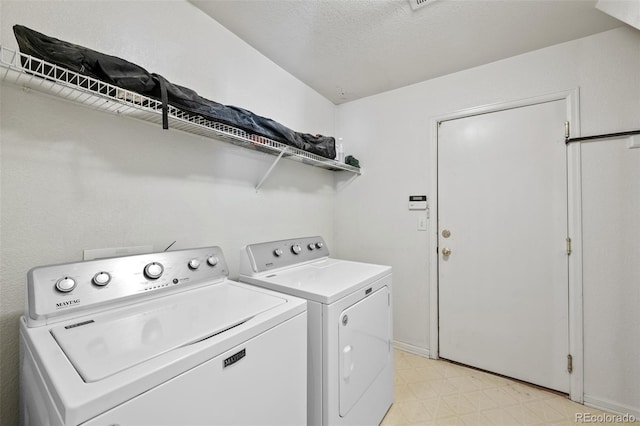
279	254
62	291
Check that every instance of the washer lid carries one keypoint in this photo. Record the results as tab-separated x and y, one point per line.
107	344
324	281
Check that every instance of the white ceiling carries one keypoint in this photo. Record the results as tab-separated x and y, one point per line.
349	49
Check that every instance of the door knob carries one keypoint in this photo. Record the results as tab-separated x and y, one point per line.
446	251
446	233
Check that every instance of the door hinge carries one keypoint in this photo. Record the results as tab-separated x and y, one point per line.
568	246
566	130
569	363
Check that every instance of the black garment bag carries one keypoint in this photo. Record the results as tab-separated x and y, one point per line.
129	76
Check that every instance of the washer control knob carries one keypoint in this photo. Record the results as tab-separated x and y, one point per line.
296	249
319	244
193	264
101	278
65	284
212	261
311	246
153	270
277	252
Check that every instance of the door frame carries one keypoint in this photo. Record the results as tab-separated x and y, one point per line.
574	226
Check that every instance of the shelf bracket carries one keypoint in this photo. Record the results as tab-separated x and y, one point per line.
344	184
266	175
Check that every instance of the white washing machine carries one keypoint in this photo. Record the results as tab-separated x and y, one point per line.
159	339
350	357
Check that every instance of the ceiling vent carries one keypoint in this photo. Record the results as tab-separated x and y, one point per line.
417	4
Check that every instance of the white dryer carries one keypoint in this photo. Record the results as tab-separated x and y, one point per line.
159	339
350	357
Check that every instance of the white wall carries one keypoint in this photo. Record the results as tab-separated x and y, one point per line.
73	178
611	250
391	136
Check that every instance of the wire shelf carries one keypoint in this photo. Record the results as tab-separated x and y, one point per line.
32	73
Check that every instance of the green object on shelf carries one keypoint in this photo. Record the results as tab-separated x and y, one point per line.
352	161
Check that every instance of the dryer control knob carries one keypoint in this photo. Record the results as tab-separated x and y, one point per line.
101	278
311	246
296	249
277	252
153	270
212	260
193	264
319	244
65	284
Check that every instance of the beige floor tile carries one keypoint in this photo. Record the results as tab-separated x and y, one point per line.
498	417
430	392
502	396
399	379
549	413
418	361
526	393
441	409
394	417
444	387
430	372
467	383
402	362
567	407
405	392
411	376
453	370
460	404
424	390
525	416
453	421
475	419
481	400
415	411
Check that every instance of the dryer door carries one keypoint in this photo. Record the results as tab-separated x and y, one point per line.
365	345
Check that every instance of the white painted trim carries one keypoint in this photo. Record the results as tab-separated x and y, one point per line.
432	244
574	229
417	350
613	407
502	106
574	224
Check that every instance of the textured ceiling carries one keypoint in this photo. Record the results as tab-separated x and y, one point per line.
349	49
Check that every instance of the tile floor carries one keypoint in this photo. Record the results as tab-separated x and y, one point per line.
430	392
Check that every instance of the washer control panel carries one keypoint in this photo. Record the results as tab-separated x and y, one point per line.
279	254
62	290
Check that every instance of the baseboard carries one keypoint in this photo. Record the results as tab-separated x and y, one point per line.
411	349
611	406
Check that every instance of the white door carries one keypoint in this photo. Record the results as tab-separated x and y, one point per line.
502	213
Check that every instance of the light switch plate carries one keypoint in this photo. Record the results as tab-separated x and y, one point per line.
422	223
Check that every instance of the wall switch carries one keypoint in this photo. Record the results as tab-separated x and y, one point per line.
634	141
422	223
115	252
